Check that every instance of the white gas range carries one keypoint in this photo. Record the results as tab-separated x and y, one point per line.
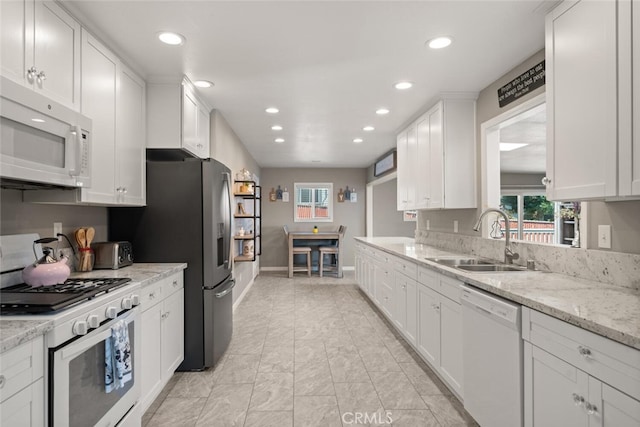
91	350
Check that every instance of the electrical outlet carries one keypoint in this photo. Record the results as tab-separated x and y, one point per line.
455	226
604	236
57	228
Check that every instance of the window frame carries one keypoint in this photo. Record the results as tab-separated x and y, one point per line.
313	186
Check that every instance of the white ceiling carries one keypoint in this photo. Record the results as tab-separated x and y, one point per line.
528	128
327	65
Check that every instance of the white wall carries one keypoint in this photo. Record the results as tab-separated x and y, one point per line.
227	148
387	221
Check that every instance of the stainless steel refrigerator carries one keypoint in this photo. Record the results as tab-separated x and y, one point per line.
188	219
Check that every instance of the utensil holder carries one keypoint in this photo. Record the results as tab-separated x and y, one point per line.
86	259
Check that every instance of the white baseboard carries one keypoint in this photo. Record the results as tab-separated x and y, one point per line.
242	295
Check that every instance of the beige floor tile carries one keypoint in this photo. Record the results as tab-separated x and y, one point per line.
448	410
424	382
226	406
377	358
357	397
272	392
396	391
269	419
310	351
239	368
193	384
347	367
276	359
316	411
177	411
313	379
413	418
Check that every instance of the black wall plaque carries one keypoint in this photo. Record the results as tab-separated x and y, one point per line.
526	82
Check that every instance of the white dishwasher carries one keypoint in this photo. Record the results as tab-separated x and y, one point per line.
492	359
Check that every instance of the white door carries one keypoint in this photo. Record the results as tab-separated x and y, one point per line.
150	351
422	168
99	92
25	408
411	325
581	76
56	53
557	391
403	171
16	29
436	158
451	343
614	408
203	132
635	176
172	333
189	120
131	139
400	301
429	324
412	164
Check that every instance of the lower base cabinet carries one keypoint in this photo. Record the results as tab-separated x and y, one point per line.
22	385
162	330
574	378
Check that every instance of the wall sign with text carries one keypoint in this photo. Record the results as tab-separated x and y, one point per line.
526	82
385	164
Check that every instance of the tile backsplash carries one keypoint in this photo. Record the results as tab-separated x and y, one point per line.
616	268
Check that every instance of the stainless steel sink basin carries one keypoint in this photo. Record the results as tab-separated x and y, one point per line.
488	268
456	261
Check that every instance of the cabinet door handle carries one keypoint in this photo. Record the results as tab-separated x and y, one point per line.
152	295
2	381
577	399
175	283
546	181
584	352
41	76
32	73
166	315
591	408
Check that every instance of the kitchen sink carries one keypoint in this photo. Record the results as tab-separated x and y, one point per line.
490	268
456	261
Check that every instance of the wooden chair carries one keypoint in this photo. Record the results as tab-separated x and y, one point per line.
299	250
333	252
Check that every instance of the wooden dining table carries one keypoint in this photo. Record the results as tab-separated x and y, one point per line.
308	235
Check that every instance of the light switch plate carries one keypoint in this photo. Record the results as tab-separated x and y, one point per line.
604	236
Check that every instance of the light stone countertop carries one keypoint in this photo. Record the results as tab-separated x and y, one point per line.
15	332
607	310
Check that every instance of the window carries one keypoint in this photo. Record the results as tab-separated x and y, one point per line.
541	221
313	202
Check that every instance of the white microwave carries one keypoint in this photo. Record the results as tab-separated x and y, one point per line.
42	141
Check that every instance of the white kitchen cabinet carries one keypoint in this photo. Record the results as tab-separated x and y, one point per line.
573	377
162	330
22	385
114	98
177	118
591	86
440	157
41	49
131	140
429	324
451	343
405	312
406	181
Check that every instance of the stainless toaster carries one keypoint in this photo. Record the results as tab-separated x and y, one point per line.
112	255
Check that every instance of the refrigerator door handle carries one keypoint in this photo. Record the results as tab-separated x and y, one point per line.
226	291
227	187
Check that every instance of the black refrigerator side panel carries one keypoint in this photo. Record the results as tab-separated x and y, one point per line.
217	223
170	229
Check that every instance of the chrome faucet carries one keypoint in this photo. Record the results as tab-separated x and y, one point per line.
509	255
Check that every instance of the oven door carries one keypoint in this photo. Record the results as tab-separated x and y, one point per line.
77	389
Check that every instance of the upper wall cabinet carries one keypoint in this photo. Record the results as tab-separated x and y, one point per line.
41	49
437	158
592	150
177	118
114	98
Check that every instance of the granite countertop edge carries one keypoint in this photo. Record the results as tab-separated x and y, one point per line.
15	332
549	300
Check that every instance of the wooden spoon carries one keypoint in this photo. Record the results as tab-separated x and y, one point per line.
80	235
90	234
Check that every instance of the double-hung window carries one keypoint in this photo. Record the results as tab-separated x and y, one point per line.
313	202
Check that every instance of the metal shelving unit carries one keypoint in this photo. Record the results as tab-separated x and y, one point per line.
248	215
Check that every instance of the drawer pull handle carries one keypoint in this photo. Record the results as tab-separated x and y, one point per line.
577	399
584	352
165	315
175	283
152	295
591	408
2	381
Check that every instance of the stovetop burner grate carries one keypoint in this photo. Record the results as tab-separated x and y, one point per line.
45	299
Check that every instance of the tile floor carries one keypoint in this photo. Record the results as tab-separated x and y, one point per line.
309	352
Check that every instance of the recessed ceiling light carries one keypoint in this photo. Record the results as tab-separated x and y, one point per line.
173	39
37	120
439	42
272	110
382	111
403	85
510	146
368	128
358	140
279	140
276	127
203	83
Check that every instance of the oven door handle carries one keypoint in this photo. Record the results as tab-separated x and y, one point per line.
96	336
